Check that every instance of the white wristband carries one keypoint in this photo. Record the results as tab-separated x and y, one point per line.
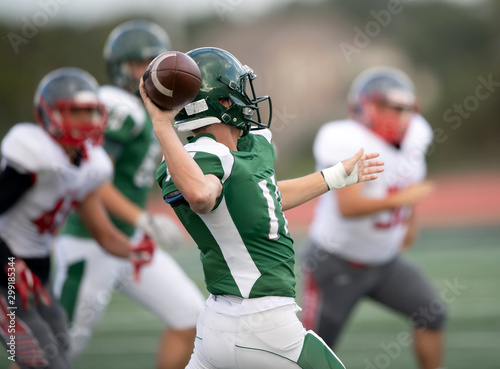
336	176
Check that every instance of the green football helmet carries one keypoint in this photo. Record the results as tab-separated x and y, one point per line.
223	76
136	40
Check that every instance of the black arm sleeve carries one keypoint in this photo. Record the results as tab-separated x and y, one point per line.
5	254
12	186
39	266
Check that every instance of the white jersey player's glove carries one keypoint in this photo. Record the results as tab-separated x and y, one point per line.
163	231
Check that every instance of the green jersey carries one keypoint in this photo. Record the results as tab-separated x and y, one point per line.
244	244
131	144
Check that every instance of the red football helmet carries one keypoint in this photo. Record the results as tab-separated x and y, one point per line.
67	107
383	99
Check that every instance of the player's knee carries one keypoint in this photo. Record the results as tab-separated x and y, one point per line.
433	316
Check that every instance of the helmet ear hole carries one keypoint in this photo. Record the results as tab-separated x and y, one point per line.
226	102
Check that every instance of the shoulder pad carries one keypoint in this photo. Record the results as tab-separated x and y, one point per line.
263	132
100	164
212	157
121	105
338	140
28	148
419	134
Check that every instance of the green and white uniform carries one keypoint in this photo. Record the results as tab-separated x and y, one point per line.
245	247
86	271
248	260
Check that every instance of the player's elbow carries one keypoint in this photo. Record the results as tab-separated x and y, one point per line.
203	198
201	202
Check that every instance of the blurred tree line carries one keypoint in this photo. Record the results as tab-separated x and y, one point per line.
461	45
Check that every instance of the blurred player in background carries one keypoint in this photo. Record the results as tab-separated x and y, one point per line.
48	170
223	188
358	232
86	275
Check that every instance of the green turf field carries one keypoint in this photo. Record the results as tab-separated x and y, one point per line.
463	263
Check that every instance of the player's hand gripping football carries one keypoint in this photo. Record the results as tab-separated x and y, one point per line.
141	254
156	114
28	285
161	229
365	167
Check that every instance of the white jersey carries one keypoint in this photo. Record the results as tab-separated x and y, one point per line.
29	226
373	238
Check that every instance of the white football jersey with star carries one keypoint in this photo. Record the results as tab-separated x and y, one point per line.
30	225
373	238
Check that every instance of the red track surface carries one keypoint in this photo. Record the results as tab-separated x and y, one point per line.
459	200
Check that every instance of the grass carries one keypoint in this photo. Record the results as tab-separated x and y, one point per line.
468	258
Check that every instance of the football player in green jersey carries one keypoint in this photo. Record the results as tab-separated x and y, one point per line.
223	188
84	271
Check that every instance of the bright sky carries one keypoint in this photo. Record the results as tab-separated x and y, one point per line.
87	12
91	11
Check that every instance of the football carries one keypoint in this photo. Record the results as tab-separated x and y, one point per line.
172	80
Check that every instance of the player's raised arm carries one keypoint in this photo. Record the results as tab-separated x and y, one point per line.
199	190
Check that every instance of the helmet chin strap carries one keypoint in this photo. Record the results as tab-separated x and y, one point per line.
76	155
226	114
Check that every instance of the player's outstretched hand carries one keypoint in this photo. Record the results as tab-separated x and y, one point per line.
366	167
157	115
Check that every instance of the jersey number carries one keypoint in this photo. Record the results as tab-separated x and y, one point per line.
51	220
144	176
272	200
395	216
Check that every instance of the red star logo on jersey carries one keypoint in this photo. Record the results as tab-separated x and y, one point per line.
51	220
